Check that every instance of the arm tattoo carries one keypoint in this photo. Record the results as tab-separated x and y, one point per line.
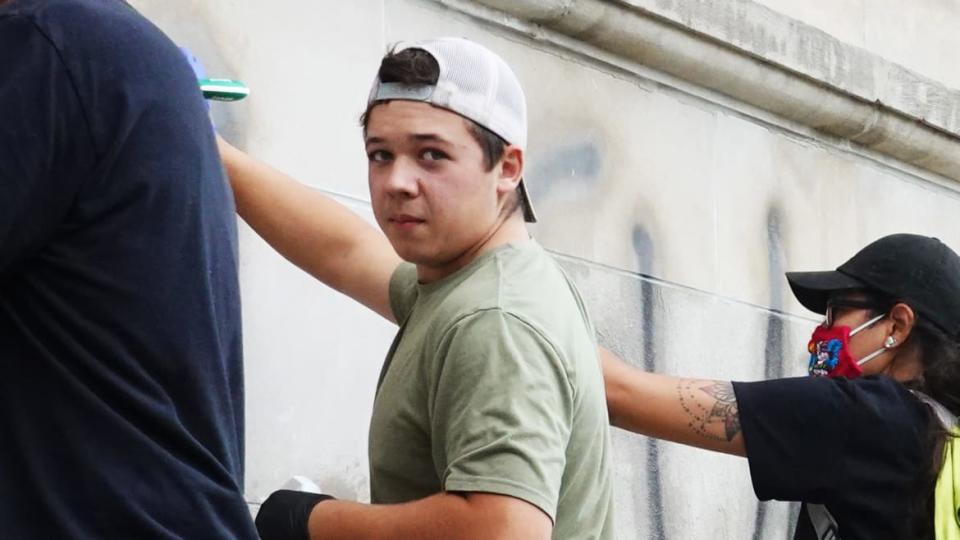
712	408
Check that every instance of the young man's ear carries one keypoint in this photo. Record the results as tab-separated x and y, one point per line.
510	169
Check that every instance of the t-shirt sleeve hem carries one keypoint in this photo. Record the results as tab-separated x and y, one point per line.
402	285
499	486
755	462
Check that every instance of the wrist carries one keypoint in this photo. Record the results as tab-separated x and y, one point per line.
318	516
285	515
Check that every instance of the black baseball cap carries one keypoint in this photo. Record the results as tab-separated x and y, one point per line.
919	271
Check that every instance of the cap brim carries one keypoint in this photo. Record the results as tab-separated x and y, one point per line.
813	289
528	214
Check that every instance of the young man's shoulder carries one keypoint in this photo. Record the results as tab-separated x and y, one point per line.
526	285
522	281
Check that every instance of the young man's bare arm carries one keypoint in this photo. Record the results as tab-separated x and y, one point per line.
695	412
451	516
445	515
313	231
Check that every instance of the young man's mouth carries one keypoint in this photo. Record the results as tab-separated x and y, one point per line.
406	222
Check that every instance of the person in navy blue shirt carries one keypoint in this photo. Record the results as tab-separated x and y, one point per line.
121	394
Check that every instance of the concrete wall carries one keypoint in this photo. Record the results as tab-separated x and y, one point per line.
676	209
918	34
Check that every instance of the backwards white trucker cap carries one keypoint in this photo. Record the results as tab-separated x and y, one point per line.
474	83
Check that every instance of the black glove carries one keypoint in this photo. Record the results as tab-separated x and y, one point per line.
285	513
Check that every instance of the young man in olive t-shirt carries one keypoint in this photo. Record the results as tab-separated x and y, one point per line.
490	418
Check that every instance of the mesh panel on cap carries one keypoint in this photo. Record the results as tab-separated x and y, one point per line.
512	104
478	84
467	74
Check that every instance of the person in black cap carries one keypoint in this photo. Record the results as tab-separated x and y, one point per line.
861	441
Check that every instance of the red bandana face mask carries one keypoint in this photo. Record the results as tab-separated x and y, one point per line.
830	351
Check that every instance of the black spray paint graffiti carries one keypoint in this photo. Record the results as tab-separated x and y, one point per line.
575	169
775	352
643	250
569	168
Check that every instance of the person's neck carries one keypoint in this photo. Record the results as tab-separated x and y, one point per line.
905	367
512	231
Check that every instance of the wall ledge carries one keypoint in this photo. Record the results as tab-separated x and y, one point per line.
764	59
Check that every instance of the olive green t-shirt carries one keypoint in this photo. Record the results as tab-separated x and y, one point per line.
493	385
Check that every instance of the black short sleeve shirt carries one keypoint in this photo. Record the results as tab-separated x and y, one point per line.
855	446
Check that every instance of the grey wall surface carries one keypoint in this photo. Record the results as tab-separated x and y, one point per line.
919	34
676	210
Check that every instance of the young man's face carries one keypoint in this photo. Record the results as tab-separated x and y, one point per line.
431	192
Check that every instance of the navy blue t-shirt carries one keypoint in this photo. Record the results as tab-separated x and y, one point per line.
121	383
855	446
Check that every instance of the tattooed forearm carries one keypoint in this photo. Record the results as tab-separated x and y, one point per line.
711	407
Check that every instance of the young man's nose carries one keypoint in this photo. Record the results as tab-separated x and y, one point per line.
403	177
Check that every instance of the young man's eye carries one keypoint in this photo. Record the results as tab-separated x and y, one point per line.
432	155
379	156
